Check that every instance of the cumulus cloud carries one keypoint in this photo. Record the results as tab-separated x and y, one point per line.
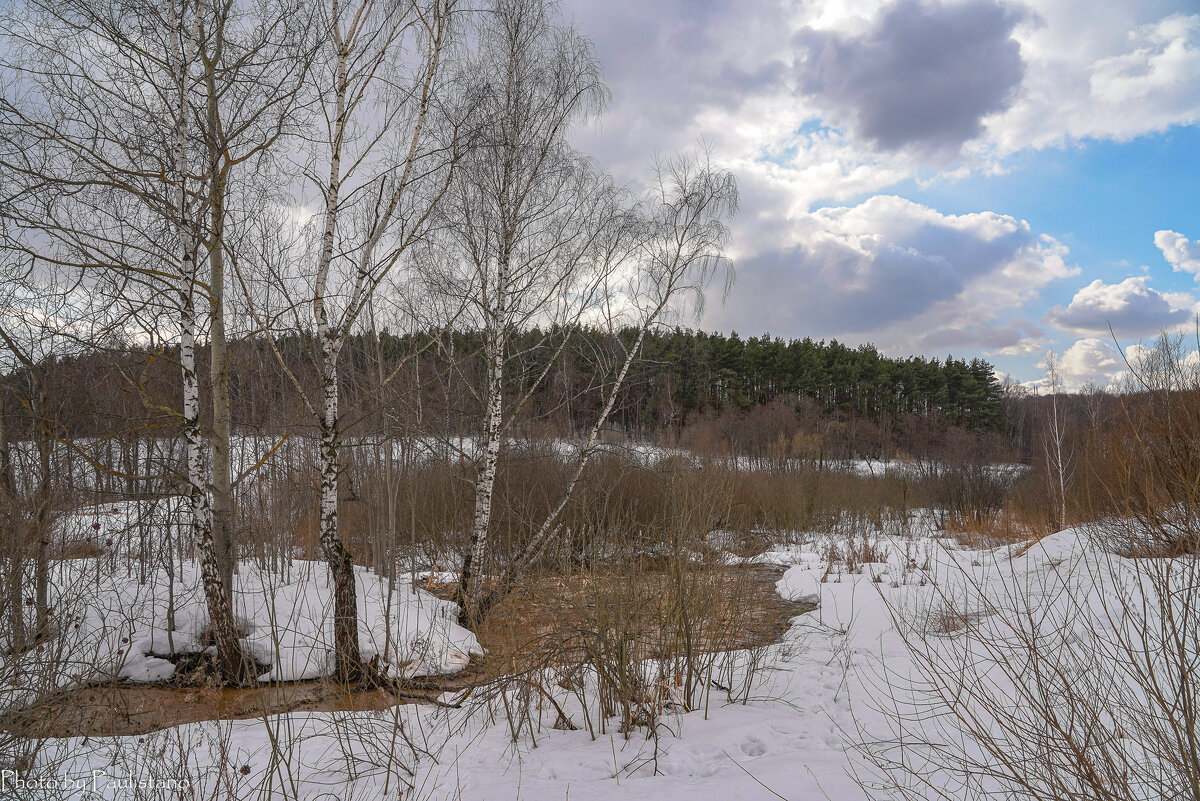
1088	359
896	271
1180	252
1000	75
1131	308
1024	346
901	74
924	78
682	69
928	90
1132	70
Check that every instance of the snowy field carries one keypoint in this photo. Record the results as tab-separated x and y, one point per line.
814	716
126	621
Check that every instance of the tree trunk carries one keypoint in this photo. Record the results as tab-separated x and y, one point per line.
347	657
470	590
222	502
11	523
525	557
211	514
43	438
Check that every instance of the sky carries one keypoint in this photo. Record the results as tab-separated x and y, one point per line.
977	178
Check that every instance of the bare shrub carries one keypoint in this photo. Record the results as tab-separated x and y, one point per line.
1076	677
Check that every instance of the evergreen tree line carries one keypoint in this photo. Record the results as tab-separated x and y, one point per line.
686	374
415	383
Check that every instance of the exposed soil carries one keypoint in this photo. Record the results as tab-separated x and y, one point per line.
544	610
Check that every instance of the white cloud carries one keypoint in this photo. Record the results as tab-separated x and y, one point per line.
1180	252
1017	74
1146	366
898	273
1131	70
732	72
1088	359
1131	308
1026	346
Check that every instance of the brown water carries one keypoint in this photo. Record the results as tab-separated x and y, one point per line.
541	606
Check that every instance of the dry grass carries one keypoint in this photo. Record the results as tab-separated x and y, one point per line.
545	610
1009	527
744	608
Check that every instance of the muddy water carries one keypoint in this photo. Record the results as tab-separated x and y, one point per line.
132	709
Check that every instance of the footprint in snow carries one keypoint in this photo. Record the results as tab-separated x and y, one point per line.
753	747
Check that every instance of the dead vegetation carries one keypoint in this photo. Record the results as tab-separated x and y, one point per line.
745	613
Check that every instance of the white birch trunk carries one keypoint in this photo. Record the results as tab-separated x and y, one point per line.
347	656
470	586
550	526
216	590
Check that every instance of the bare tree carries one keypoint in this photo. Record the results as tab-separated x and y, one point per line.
253	66
532	221
390	135
131	127
678	247
30	485
546	242
1058	457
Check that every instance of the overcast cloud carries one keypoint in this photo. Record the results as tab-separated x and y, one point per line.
924	78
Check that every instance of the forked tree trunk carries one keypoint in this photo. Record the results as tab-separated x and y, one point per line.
519	565
220	613
204	527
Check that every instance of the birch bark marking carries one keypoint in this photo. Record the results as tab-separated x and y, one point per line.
470	586
530	551
682	246
347	658
216	594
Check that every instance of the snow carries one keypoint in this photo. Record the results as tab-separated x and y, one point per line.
800	584
838	679
118	620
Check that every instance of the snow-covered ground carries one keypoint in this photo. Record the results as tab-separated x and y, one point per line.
914	468
118	618
841	677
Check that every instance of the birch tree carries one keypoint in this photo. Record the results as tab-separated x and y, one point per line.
391	131
253	66
675	249
545	240
131	126
1058	458
527	213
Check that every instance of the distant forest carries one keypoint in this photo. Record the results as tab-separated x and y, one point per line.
687	372
685	379
683	374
